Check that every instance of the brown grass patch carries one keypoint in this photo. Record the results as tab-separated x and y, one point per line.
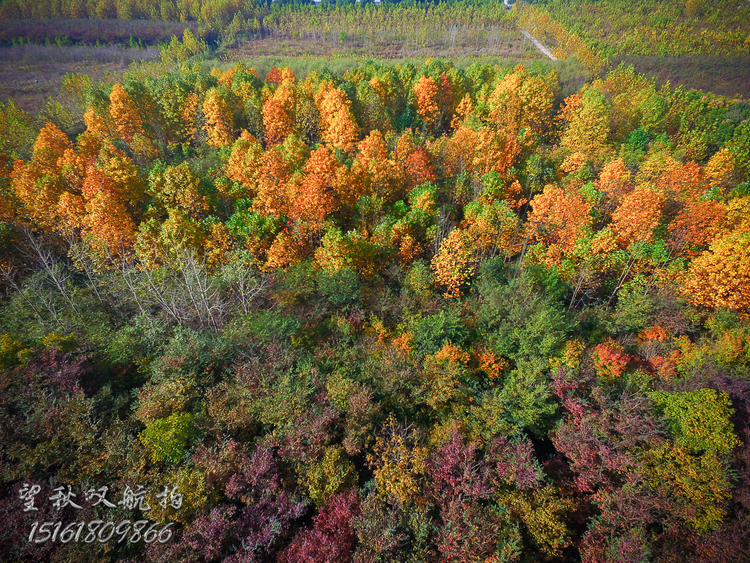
500	42
32	73
727	75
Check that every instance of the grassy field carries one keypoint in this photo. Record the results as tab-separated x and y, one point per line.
728	75
32	73
494	44
700	45
498	41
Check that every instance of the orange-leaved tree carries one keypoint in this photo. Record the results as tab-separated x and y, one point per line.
615	182
425	99
559	218
637	217
39	183
496	151
106	214
373	172
125	114
278	113
696	225
415	160
273	174
316	197
339	128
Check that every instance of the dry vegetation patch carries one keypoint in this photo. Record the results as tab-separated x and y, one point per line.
499	41
727	75
32	73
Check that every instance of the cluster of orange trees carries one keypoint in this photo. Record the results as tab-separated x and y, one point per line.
408	313
403	163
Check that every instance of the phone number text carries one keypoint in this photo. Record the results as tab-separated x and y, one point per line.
99	530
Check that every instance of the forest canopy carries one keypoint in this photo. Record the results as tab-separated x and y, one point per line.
404	313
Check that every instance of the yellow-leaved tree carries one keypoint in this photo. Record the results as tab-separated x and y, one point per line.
720	276
586	118
453	264
219	119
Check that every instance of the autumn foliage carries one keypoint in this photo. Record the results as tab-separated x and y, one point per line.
408	313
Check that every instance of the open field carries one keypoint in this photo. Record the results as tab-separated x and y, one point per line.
497	41
311	48
728	75
32	73
694	44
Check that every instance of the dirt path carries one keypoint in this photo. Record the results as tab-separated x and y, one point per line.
537	44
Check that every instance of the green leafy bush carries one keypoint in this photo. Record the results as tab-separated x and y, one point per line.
167	438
